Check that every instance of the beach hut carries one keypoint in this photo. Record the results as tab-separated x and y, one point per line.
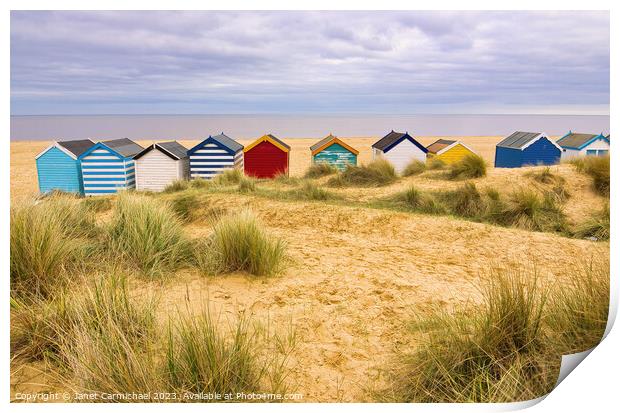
526	148
266	157
399	149
448	151
160	164
215	155
108	167
58	167
333	151
583	144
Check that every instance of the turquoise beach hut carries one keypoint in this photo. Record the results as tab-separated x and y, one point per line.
58	167
333	151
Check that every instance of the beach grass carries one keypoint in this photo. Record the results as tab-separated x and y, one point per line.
48	239
229	177
187	207
598	168
508	348
147	234
320	169
247	184
176	186
471	166
377	173
596	226
435	164
239	243
415	167
488	353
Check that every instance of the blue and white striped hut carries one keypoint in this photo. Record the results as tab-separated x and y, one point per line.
214	155
108	167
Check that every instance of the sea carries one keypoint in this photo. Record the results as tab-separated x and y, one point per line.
164	127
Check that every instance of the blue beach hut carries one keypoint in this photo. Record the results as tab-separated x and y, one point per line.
215	155
526	148
108	167
58	167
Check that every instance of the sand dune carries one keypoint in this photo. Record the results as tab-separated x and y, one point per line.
358	275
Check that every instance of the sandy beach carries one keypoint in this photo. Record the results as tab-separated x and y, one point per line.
356	275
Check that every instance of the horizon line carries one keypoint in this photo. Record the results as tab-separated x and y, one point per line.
315	114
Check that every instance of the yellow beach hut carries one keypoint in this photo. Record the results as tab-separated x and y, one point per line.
448	151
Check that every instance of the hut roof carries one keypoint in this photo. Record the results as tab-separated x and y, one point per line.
124	146
518	139
393	138
77	147
444	145
330	140
172	149
228	142
269	138
439	144
521	140
577	140
72	148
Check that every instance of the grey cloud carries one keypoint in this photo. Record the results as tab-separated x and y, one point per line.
89	62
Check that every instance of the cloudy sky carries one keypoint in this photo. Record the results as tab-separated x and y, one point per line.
309	62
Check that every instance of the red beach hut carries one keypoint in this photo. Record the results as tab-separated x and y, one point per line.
266	157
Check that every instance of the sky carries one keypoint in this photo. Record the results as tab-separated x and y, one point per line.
408	62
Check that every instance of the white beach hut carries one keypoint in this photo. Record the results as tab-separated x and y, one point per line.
583	144
160	164
399	149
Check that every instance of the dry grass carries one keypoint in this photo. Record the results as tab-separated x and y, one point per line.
147	234
318	170
508	349
311	192
471	166
228	177
418	201
187	207
48	240
102	341
414	167
580	307
597	226
176	186
247	185
200	183
598	167
545	176
528	209
435	164
485	354
376	173
239	243
201	359
467	201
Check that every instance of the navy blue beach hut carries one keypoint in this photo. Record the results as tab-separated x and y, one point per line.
215	155
58	167
526	148
108	167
